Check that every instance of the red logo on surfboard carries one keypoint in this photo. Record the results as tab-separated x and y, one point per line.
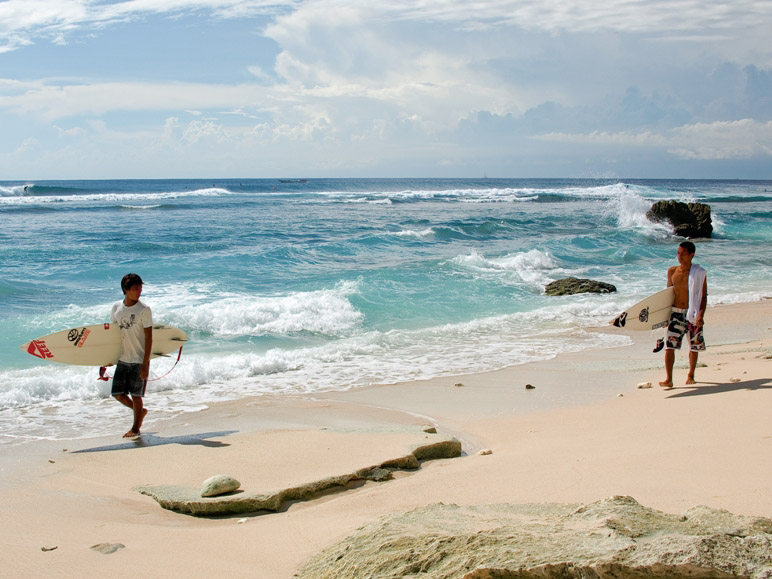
38	348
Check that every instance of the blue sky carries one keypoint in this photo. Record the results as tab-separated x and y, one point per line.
347	88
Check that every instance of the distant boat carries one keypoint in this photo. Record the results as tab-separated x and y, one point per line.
293	180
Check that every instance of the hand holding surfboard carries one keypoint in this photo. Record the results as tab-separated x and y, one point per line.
648	314
98	344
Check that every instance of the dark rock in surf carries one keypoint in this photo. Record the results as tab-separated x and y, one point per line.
690	220
571	285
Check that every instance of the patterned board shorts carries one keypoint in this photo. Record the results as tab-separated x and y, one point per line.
126	380
679	326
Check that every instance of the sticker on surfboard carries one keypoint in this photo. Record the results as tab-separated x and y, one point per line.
648	314
98	344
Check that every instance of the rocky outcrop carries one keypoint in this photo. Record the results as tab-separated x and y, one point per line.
572	285
189	500
691	220
613	538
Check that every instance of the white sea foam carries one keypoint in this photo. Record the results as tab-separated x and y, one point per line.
13	190
533	267
326	312
59	402
138	207
117	198
422	234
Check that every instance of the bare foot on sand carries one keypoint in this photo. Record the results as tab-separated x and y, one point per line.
141	420
134	433
690	380
666	384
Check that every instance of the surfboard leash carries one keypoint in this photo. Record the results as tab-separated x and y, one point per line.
103	369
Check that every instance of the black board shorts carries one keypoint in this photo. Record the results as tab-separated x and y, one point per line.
126	380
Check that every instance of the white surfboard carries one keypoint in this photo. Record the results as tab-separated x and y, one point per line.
648	314
98	345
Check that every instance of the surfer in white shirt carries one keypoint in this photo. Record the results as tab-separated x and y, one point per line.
135	320
690	289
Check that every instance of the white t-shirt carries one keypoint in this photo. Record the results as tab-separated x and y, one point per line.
132	321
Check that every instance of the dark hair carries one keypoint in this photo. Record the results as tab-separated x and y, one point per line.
129	281
688	246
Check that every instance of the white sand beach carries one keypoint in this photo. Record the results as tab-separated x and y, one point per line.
584	432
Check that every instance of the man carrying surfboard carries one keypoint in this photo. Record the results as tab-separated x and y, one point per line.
135	321
690	289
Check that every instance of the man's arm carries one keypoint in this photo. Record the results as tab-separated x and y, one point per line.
670	275
703	304
144	372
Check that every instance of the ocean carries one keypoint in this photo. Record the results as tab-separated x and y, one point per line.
330	284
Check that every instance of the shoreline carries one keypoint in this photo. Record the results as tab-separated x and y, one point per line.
583	433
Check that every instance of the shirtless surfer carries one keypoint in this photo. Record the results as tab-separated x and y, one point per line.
690	286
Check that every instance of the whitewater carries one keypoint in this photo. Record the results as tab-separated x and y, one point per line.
302	287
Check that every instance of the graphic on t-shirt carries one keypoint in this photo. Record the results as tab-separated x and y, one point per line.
126	324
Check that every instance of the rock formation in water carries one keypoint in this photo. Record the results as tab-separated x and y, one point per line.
690	220
572	285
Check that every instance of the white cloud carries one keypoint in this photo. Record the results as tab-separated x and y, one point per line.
72	132
720	140
21	21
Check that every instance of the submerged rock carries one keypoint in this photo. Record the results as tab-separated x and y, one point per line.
613	538
691	220
573	285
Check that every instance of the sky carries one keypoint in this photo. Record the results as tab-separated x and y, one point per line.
108	89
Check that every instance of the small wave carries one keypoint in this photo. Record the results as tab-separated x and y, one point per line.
322	312
112	198
422	234
533	267
16	190
139	207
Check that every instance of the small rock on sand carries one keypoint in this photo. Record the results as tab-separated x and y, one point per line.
458	384
530	387
51	548
485	452
644	385
219	484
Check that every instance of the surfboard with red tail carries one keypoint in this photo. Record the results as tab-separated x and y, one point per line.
98	344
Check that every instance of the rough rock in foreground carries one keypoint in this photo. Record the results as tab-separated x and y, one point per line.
573	285
613	538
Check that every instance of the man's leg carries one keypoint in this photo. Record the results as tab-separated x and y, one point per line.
669	362
692	366
124	399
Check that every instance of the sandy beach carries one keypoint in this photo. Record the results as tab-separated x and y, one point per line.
584	432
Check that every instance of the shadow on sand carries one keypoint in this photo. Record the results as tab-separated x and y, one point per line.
702	388
150	439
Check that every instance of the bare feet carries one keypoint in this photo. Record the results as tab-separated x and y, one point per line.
690	379
135	432
666	384
142	419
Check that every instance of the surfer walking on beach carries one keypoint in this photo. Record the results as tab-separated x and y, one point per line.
690	289
135	321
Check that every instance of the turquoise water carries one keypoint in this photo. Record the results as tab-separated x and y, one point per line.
338	283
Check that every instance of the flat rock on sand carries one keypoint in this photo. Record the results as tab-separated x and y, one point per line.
616	537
